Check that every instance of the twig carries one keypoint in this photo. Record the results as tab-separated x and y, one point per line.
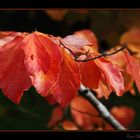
101	108
123	46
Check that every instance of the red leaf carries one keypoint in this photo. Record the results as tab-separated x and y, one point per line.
14	78
120	60
42	61
69	125
102	90
76	41
50	99
56	116
132	39
7	37
84	114
90	36
121	114
133	68
113	76
68	82
90	74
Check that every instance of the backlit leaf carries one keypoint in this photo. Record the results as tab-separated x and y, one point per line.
133	68
14	78
68	82
42	61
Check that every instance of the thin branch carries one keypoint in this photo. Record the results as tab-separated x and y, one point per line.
123	46
101	108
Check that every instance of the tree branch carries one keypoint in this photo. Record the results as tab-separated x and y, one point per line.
101	108
123	46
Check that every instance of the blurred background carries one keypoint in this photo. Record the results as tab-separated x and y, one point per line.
34	112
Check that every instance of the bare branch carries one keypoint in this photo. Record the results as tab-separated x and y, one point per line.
101	108
123	46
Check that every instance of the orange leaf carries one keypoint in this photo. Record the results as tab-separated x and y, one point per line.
132	39
90	36
75	43
69	125
56	14
14	78
133	68
102	90
113	76
84	114
56	116
90	74
121	114
42	61
120	60
68	82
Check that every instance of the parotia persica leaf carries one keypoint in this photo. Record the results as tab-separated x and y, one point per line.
102	90
69	125
68	82
90	74
14	78
75	43
132	39
121	113
90	36
42	61
113	76
7	37
133	68
120	60
84	114
101	69
56	116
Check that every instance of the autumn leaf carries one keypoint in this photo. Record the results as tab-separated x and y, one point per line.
69	125
84	114
42	61
68	82
90	36
14	78
101	69
90	74
112	75
75	43
123	114
57	15
120	60
133	68
56	116
132	39
102	90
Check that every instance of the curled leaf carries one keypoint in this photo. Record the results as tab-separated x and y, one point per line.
14	78
68	82
90	36
133	68
112	74
42	61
